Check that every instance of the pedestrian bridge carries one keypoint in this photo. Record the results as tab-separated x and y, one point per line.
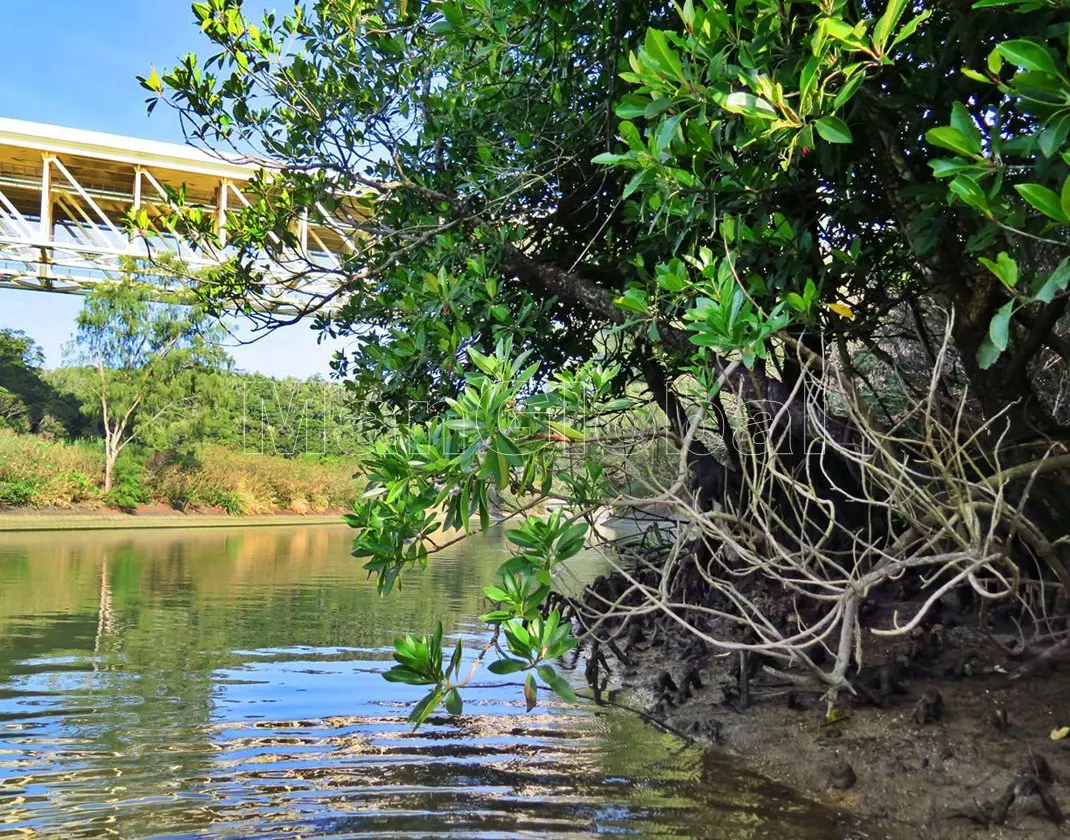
64	195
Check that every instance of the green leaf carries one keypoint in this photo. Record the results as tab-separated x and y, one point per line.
687	14
995	62
454	704
749	105
657	45
425	707
634	300
946	167
967	189
888	22
1056	282
484	363
987	353
964	124
153	82
637	180
1052	138
808	77
435	647
911	27
502	472
531	692
631	106
401	674
1004	268
999	328
671	281
608	159
667	131
493	593
558	684
948	137
833	130
453	14
570	433
1043	199
657	106
844	32
1028	54
507	666
506	447
455	660
630	135
849	89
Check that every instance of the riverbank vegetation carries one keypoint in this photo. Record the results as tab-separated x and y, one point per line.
39	473
161	419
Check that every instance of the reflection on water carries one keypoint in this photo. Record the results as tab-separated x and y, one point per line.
226	684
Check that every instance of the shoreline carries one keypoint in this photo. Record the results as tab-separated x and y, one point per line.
12	521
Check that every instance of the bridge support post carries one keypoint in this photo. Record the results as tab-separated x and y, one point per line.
45	270
221	212
137	188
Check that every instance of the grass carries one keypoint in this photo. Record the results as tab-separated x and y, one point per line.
251	483
40	473
36	473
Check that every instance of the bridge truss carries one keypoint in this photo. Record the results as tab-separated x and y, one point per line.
64	194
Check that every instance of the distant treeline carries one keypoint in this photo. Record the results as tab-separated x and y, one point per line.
250	412
244	443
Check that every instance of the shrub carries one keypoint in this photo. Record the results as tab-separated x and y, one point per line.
128	484
17	493
251	483
83	488
41	473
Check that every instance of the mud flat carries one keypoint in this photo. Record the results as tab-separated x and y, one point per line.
978	763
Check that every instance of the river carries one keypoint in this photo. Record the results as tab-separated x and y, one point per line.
225	683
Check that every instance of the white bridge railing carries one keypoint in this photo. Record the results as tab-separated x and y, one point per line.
64	194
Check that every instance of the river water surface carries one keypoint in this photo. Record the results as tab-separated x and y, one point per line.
225	683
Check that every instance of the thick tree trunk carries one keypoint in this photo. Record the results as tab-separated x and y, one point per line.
999	385
712	481
1024	430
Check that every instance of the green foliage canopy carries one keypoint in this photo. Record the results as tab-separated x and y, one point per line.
29	400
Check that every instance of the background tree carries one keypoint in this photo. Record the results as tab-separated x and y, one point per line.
20	356
745	212
29	401
155	368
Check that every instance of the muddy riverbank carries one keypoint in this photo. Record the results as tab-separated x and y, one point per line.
968	770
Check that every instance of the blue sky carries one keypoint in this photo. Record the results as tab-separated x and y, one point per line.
74	63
